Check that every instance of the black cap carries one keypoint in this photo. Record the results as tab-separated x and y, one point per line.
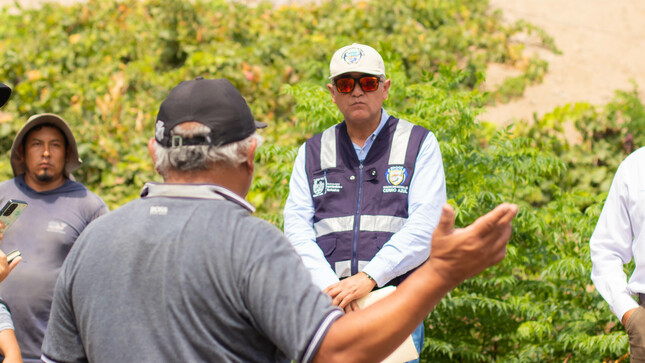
5	93
215	103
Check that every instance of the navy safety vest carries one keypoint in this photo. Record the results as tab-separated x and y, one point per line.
360	205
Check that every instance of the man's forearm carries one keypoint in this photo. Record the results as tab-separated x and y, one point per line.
457	254
371	334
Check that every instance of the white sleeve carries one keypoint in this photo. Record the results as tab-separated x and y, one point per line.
611	247
299	227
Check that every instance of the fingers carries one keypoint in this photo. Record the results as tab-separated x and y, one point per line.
338	296
15	262
446	221
495	223
352	306
510	211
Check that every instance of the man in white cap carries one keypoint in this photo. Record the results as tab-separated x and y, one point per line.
187	274
366	194
43	156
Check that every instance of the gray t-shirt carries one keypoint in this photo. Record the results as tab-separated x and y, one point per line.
44	233
185	274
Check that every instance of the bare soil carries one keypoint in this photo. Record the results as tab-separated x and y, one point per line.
603	50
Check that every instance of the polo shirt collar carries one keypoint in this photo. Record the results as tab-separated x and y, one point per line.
199	191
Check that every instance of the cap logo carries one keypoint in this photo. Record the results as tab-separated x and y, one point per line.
159	130
352	56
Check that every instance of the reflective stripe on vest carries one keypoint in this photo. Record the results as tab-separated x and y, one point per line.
328	149
399	147
331	225
368	223
400	142
344	268
375	223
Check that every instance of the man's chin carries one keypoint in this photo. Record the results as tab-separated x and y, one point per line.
44	178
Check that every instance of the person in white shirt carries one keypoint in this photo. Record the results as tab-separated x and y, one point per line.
617	240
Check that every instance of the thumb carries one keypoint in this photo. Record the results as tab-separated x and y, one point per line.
446	221
14	263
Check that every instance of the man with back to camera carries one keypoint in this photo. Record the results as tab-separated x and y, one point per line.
366	194
43	156
9	347
194	277
617	239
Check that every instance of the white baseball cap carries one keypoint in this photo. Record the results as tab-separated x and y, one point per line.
356	58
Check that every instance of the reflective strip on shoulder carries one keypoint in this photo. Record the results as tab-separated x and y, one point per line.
380	223
328	149
400	142
331	225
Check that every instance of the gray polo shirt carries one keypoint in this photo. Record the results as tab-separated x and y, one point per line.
185	274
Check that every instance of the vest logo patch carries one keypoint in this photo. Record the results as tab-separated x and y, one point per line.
395	176
321	187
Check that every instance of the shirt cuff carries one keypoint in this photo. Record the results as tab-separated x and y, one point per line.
624	303
378	274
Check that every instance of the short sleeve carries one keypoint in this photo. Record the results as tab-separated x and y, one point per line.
280	295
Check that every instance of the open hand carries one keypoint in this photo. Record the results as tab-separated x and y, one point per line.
458	254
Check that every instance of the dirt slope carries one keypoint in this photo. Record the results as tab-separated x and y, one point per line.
603	46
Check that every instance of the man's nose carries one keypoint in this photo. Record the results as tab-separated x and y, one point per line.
358	90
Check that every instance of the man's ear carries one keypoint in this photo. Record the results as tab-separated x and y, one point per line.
386	88
330	87
151	150
250	155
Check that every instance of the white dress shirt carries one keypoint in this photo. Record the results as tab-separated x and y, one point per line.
618	238
406	249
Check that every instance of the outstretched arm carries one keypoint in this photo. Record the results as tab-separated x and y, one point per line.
457	254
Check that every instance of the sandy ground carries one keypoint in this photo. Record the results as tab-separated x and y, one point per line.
602	44
603	49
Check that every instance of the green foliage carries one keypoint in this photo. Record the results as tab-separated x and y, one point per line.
106	65
513	87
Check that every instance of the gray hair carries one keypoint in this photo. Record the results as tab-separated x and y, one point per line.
200	157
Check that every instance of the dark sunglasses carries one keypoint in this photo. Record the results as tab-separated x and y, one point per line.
347	84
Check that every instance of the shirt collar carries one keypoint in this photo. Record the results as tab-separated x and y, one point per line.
199	191
381	124
361	152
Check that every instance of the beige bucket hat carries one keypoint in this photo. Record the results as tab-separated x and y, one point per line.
73	162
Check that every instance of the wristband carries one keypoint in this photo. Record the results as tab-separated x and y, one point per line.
368	276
